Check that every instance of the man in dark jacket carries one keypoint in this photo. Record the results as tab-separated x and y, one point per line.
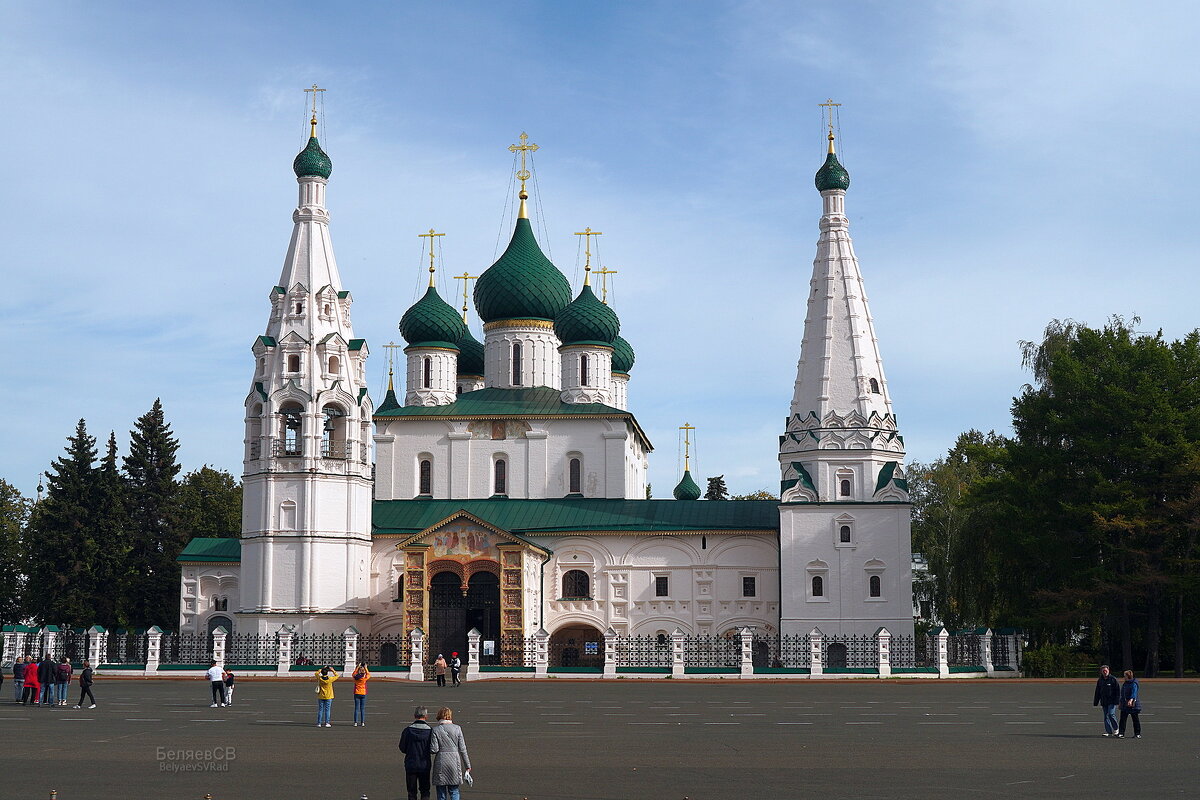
47	672
414	743
19	677
1108	695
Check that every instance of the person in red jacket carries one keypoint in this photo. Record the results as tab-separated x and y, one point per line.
32	685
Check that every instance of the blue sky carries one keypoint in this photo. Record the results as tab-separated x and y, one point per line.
1011	162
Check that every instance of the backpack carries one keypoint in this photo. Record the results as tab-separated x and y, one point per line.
64	673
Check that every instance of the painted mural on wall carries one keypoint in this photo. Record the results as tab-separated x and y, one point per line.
462	541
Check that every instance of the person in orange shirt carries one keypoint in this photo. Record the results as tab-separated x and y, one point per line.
361	675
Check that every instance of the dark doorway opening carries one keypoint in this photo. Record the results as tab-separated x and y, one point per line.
577	646
452	613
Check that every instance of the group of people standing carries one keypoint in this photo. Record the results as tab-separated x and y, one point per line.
325	677
435	755
1111	695
222	682
440	665
47	682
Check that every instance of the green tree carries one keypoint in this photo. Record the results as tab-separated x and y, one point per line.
112	531
716	489
761	494
14	517
156	538
210	504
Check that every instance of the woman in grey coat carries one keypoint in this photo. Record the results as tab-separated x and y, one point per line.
451	764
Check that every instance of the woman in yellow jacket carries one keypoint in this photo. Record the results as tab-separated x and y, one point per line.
325	678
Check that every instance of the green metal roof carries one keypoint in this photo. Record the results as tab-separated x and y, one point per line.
832	175
312	161
210	549
586	320
356	344
431	322
470	354
522	284
580	515
269	341
622	357
687	488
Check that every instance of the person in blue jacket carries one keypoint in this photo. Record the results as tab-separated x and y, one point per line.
1131	706
1108	696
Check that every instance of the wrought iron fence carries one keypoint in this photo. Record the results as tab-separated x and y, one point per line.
73	644
385	650
913	651
251	648
1001	650
512	650
125	647
850	652
964	650
792	651
185	648
643	651
319	649
712	651
576	653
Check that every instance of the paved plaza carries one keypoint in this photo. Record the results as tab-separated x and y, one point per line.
609	741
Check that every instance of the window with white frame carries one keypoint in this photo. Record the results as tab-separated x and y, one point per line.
843	531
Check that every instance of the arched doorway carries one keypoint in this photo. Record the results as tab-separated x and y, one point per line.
452	613
577	646
219	621
836	656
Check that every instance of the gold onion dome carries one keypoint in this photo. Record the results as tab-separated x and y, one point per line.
522	284
587	321
431	322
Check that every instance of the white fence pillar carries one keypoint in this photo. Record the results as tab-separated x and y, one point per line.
677	667
610	653
283	649
416	661
97	639
13	645
50	637
985	651
218	653
746	637
350	650
816	667
153	649
884	637
541	654
943	654
1014	653
473	637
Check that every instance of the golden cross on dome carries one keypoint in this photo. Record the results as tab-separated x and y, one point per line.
431	235
391	347
313	121
832	106
604	272
523	148
465	278
587	249
687	444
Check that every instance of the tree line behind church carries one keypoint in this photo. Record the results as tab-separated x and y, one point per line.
1081	527
100	546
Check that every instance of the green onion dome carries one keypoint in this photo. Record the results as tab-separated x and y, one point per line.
522	284
312	161
470	354
832	175
687	488
431	322
587	321
622	357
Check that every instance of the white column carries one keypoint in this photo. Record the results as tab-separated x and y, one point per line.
350	644
746	637
11	638
943	659
49	639
816	667
416	663
985	651
610	653
97	637
1014	654
677	668
459	468
541	654
614	463
218	653
885	652
153	649
473	637
283	648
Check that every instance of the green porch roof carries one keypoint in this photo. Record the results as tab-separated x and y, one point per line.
492	403
212	549
580	515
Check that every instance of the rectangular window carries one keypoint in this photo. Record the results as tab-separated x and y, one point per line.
748	587
661	587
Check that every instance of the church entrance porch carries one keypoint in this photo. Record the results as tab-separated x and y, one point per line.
577	646
454	609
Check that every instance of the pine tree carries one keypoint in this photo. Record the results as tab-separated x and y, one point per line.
210	504
155	538
61	546
112	534
716	489
14	518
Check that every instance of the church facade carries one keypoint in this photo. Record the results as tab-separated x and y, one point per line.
503	489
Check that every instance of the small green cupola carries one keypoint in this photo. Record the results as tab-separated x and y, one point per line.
587	321
390	402
431	322
687	488
622	357
470	355
832	175
312	161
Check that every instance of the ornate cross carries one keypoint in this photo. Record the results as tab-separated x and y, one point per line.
604	272
313	121
465	278
431	238
687	444
523	148
391	347
829	104
587	249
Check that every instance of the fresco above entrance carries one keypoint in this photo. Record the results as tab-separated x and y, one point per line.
462	541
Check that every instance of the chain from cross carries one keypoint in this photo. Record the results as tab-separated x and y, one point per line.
465	278
587	251
431	236
523	148
829	104
687	443
604	272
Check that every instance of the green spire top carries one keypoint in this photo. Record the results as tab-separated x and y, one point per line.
832	175
390	403
687	488
587	321
431	322
312	162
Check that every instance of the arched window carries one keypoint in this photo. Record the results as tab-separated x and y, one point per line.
844	487
333	433
293	363
575	583
660	639
425	481
426	372
575	479
293	443
220	603
844	534
299	308
874	386
334	365
516	364
500	477
583	370
876	589
818	586
327	310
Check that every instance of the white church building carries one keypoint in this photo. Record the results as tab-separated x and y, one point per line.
504	488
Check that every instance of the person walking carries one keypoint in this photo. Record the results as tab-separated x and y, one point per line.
414	743
229	679
455	668
33	687
451	764
325	678
86	678
361	675
216	682
439	669
47	671
18	674
1131	706
1107	696
62	680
